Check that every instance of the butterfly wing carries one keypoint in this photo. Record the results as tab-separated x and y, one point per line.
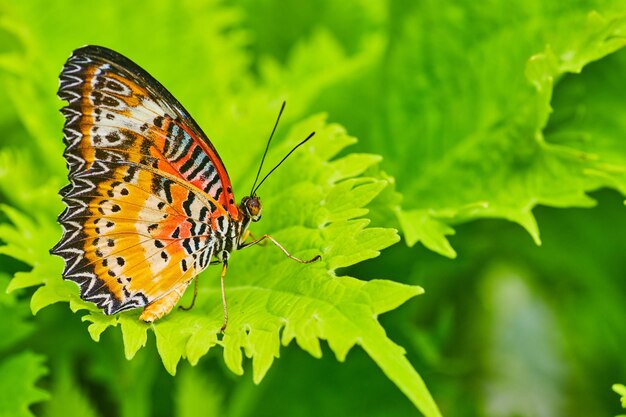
147	188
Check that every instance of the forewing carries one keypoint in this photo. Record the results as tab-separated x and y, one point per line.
117	110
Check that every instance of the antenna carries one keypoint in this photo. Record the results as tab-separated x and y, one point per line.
281	161
280	113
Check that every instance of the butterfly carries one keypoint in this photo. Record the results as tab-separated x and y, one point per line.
150	204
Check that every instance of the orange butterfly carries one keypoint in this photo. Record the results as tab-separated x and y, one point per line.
149	204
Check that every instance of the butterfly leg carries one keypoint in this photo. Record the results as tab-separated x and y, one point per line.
163	305
193	300
224	268
290	256
248	234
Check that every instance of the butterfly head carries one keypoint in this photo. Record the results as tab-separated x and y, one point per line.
251	207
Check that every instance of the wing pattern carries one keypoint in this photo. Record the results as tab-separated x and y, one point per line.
149	200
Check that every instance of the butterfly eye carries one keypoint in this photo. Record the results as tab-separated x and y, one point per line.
253	208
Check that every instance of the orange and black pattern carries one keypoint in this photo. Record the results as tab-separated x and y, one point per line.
149	202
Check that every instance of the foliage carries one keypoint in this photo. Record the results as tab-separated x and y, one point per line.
464	113
19	371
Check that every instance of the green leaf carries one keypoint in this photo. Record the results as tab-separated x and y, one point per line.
303	62
29	241
14	315
18	376
24	186
459	122
507	169
18	236
421	226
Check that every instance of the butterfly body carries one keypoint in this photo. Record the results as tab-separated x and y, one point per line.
149	203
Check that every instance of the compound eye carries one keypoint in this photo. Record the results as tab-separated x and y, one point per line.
253	206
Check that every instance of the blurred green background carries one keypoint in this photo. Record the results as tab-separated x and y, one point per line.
444	92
